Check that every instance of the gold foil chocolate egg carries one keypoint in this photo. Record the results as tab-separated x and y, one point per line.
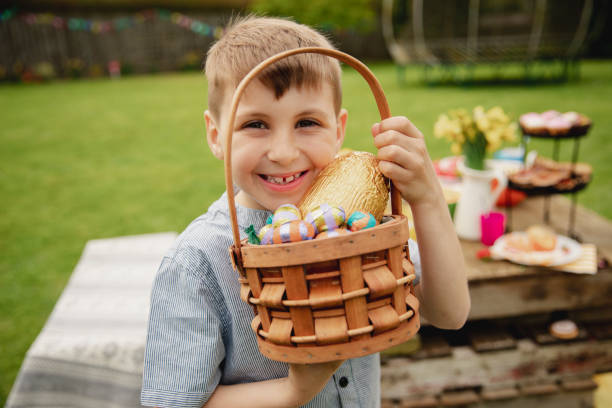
351	181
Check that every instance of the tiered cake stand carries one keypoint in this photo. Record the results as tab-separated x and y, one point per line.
575	133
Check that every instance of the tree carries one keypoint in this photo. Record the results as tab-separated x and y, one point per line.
327	15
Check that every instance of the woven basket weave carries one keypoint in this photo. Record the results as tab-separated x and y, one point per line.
333	298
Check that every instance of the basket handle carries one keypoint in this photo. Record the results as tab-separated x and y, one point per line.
381	102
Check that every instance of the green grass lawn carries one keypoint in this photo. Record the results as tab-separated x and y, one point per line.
99	158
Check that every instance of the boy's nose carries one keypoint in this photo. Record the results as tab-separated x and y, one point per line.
283	150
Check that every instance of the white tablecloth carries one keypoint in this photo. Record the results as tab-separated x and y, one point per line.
90	351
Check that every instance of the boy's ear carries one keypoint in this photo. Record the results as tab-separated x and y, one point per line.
341	127
213	136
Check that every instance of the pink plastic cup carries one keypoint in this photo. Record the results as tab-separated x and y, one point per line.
492	226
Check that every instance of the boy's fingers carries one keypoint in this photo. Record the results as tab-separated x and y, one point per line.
405	159
395	172
401	124
375	129
394	138
401	157
389	137
392	153
389	169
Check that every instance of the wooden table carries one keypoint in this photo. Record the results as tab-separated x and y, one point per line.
503	289
504	357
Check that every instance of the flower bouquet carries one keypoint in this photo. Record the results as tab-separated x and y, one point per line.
477	134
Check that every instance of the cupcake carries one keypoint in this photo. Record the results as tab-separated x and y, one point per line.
559	125
541	238
549	115
532	123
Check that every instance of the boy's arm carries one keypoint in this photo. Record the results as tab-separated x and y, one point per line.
302	384
443	287
443	290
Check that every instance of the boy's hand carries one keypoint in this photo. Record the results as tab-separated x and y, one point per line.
307	380
404	159
304	382
443	291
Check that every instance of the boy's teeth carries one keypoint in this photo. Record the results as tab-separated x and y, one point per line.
282	180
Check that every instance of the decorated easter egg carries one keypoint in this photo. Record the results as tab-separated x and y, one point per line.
325	218
293	231
284	214
360	220
265	234
351	181
333	233
269	220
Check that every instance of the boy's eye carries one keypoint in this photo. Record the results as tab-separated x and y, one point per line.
255	124
306	123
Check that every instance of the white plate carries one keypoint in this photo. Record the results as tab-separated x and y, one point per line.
567	250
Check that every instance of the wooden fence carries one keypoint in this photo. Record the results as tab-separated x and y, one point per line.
91	44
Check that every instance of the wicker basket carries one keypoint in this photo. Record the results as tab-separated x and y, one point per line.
327	299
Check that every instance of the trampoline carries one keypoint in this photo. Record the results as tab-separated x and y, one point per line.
450	38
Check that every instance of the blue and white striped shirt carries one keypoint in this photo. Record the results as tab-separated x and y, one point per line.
199	333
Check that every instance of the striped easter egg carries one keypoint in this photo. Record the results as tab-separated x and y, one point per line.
284	214
265	234
293	231
333	233
326	218
360	220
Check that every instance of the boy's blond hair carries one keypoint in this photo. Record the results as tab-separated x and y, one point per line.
249	40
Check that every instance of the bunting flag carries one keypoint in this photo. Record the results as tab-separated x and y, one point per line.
116	24
7	14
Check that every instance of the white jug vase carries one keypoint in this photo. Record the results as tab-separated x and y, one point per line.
477	198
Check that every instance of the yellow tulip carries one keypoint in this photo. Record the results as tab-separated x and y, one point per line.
440	126
460	126
456	149
509	132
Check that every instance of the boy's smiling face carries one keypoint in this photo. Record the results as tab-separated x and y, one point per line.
279	145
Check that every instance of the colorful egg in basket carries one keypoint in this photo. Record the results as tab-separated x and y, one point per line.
294	231
338	232
265	234
360	220
325	218
322	300
284	214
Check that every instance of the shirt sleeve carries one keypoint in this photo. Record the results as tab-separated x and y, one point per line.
184	348
415	258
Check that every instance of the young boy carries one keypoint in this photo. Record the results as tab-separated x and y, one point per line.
200	347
